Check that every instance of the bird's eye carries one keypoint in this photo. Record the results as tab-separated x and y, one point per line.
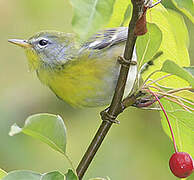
43	42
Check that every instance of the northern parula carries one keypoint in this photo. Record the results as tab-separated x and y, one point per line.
81	74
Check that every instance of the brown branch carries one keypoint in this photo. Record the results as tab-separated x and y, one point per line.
109	116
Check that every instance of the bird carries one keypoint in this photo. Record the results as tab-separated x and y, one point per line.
81	73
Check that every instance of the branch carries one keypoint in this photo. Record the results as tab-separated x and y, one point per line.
109	116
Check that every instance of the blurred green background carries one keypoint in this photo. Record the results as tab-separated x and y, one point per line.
136	149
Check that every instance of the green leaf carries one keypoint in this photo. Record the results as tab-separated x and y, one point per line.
182	124
148	45
70	175
52	176
190	69
186	6
174	44
173	68
48	128
90	15
30	175
22	175
2	173
121	13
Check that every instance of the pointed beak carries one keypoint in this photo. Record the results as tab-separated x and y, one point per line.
20	42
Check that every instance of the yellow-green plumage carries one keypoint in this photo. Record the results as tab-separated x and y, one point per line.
81	75
82	82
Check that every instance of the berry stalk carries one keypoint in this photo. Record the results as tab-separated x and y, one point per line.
162	107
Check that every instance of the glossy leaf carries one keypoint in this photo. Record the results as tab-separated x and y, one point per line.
70	175
186	6
2	173
182	122
173	68
148	45
90	15
48	128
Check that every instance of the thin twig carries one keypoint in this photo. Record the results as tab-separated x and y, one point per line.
115	108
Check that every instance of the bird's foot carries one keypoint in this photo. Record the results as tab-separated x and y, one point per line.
126	62
108	117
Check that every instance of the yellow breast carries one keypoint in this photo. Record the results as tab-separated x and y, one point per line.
83	82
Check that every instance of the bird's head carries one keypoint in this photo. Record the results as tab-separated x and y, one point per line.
47	48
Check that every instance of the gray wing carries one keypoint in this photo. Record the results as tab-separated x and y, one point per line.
106	38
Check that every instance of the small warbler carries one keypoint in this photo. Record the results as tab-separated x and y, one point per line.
81	74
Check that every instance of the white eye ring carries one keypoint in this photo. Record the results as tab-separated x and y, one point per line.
42	43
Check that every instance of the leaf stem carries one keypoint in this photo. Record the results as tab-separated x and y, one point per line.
110	114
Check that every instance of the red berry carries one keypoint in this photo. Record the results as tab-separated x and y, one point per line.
181	164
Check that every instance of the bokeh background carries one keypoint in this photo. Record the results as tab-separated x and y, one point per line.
136	149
